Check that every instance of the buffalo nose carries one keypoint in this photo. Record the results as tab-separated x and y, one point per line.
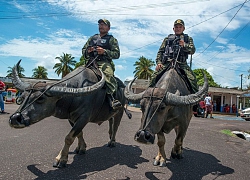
16	120
144	137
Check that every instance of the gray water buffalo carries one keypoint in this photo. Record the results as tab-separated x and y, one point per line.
79	97
164	107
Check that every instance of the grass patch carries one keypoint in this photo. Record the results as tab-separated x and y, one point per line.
228	132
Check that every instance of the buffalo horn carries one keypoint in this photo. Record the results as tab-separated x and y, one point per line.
175	100
18	83
134	98
70	91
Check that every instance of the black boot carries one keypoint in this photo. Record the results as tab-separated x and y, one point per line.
114	104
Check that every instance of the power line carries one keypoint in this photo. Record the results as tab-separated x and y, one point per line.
222	30
235	37
100	11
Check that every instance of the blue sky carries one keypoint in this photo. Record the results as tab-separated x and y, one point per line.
37	31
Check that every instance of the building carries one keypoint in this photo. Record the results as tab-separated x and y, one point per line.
224	99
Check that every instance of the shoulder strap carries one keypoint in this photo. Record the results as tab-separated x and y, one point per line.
170	39
186	38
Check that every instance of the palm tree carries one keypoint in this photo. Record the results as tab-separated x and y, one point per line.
40	73
20	71
64	67
143	68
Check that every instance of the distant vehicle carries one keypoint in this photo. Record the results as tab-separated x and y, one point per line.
245	114
199	109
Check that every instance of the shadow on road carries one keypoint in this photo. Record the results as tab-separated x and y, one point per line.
95	160
195	166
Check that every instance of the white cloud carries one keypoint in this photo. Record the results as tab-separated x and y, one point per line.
140	27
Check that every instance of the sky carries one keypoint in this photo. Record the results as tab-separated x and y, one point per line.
38	31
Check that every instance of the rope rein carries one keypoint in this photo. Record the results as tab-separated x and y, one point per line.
32	89
173	63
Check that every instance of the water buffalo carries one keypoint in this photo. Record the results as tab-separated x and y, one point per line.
164	107
79	97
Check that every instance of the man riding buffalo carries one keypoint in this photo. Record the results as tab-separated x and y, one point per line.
103	48
167	103
176	46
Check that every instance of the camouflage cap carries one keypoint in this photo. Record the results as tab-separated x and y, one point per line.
179	21
105	21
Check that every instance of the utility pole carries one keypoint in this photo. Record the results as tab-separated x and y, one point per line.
241	81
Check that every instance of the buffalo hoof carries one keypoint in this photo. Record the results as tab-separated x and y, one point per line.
59	164
163	164
177	156
111	144
160	163
80	152
156	163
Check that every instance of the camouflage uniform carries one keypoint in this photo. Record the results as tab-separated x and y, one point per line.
188	48
104	61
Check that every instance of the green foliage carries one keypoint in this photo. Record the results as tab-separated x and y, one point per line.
40	73
82	62
20	71
200	79
143	68
64	67
228	132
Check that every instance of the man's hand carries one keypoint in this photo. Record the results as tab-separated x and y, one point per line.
100	50
91	49
159	67
182	43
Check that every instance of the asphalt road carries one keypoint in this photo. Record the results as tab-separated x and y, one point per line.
208	154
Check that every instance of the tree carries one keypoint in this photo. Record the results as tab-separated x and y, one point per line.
200	80
20	71
40	73
143	68
82	61
64	67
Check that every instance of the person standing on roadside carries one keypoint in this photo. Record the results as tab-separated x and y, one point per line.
209	106
2	89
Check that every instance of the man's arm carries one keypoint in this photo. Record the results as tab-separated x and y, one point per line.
160	52
85	52
159	56
114	52
189	47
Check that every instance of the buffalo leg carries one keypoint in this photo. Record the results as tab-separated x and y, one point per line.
81	148
177	151
114	123
62	158
160	159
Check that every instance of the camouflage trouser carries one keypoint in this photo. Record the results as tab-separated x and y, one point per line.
108	70
189	73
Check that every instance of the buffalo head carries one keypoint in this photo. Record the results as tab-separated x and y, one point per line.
165	106
40	99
